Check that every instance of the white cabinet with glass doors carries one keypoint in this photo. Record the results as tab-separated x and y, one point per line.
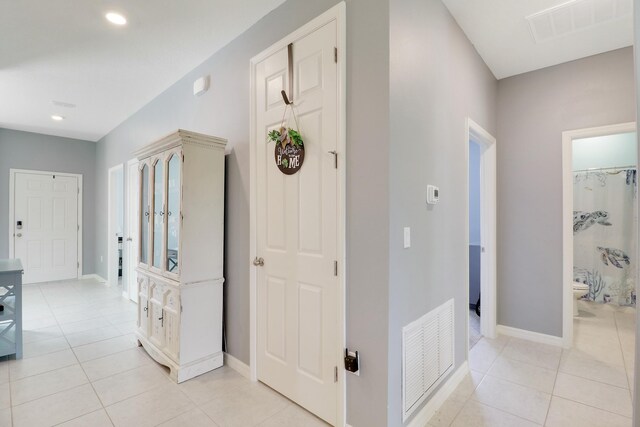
181	252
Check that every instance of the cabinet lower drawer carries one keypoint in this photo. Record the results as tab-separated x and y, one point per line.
159	314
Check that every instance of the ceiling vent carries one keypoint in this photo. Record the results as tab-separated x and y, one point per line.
574	16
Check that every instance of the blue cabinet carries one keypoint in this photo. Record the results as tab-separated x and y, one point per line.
11	302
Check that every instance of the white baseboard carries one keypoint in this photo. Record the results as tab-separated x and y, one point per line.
237	366
530	335
423	416
93	276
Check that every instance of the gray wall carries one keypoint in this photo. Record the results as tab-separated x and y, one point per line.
224	111
34	151
437	79
534	109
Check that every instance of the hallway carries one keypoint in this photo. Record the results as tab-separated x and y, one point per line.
520	383
82	367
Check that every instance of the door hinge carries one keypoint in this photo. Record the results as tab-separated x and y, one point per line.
335	374
335	268
78	264
335	55
78	228
78	190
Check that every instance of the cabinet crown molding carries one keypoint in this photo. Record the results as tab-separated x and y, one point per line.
178	138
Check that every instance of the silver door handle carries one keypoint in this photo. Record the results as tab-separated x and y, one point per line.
19	235
258	262
129	239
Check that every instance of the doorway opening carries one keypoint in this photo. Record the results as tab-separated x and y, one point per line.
475	244
599	223
481	232
115	228
130	286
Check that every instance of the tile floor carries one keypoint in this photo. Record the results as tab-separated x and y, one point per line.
474	328
82	367
519	383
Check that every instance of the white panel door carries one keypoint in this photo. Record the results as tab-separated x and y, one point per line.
47	243
297	229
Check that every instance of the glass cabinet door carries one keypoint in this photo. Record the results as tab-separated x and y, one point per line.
173	213
144	215
158	213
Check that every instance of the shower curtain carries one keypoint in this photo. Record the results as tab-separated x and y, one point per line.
604	234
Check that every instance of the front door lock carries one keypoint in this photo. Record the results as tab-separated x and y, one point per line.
258	262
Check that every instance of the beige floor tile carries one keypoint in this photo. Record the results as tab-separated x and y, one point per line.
37	386
483	354
94	419
5	396
475	414
37	365
84	325
445	415
245	406
566	413
116	363
38	348
542	355
5	417
4	371
209	386
518	400
93	335
57	408
193	418
467	386
39	323
592	393
31	335
104	348
129	383
150	408
580	364
293	416
525	374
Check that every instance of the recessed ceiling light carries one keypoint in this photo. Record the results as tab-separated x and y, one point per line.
57	118
116	18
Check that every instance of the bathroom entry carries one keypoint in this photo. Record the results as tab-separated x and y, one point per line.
481	232
475	247
600	210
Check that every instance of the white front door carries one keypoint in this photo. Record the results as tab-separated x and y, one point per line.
45	226
297	288
131	241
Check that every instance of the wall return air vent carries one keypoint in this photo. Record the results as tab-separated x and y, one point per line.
575	16
427	356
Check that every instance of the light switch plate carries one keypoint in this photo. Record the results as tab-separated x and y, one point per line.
407	237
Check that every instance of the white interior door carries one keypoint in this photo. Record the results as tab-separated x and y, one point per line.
46	226
297	287
131	241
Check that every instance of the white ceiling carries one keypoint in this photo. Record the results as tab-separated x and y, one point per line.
501	33
65	50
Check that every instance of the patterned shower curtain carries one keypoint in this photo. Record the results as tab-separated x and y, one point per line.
604	234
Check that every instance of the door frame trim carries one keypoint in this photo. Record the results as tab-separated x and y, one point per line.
567	216
336	13
110	230
12	177
488	227
127	226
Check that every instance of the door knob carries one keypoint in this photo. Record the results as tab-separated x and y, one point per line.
258	262
129	239
19	235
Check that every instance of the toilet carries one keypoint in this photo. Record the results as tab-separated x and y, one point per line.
579	290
